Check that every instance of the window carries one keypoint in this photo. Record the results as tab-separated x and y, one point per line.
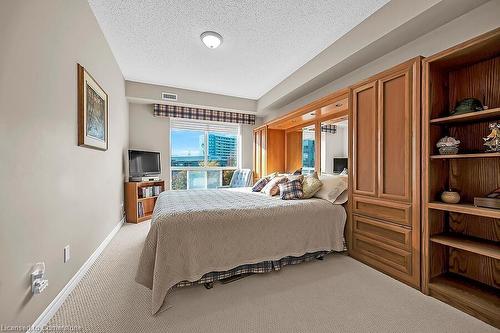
308	147
203	154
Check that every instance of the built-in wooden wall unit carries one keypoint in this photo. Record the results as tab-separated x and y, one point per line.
461	249
268	151
384	168
277	145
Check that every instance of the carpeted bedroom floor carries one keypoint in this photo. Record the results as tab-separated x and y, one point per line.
337	294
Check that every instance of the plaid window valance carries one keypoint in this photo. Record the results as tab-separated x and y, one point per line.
162	110
329	128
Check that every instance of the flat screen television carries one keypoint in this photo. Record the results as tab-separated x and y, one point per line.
339	164
143	163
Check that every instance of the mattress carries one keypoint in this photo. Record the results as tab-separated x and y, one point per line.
200	231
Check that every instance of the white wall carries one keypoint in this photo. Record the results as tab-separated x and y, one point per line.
333	145
147	132
247	146
150	133
478	21
151	93
54	193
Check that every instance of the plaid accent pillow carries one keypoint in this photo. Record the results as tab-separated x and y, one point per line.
291	190
259	185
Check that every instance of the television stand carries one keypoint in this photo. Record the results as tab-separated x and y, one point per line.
140	199
145	179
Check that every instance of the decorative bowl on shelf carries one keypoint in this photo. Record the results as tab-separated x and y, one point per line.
448	150
450	196
448	145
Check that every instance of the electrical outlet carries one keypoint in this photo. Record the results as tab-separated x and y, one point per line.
67	254
38	280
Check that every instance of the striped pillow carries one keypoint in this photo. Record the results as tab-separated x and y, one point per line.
291	190
259	185
272	187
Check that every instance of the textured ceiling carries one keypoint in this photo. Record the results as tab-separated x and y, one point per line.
158	42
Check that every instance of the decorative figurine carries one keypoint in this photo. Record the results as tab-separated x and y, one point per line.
467	105
448	145
450	196
492	141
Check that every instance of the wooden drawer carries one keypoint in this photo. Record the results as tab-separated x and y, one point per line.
382	256
385	210
386	233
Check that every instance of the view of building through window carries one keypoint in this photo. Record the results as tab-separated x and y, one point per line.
308	146
202	159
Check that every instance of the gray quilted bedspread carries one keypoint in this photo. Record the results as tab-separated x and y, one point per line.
199	231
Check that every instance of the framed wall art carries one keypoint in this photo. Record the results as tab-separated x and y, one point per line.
92	112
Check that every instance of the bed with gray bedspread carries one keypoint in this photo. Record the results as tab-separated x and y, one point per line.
200	231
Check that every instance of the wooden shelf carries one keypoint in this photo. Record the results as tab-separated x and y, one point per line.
468	117
461	247
470	244
133	201
465	209
142	199
145	217
474	155
469	296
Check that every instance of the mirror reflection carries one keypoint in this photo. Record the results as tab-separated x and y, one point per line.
308	146
334	146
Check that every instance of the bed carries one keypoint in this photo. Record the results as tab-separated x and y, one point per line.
196	232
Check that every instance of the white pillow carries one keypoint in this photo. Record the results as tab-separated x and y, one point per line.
332	188
342	198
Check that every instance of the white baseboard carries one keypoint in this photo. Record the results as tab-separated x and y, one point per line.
52	308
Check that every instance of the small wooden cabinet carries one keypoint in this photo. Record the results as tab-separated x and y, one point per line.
140	199
385	172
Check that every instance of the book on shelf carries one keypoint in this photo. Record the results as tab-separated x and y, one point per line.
140	209
156	190
150	191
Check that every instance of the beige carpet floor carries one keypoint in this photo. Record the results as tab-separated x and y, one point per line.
337	294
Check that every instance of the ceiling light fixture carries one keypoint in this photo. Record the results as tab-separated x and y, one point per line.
211	39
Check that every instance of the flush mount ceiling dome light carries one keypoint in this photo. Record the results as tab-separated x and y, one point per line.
211	39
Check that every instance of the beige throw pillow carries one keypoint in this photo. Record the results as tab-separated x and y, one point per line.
333	186
272	188
310	185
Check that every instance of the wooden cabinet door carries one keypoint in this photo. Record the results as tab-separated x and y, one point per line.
364	136
394	136
293	159
263	155
275	151
259	152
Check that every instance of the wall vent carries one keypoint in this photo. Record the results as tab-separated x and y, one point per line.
168	96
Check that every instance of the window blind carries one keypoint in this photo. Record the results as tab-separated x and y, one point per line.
211	126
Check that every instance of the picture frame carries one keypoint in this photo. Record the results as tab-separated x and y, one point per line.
92	112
